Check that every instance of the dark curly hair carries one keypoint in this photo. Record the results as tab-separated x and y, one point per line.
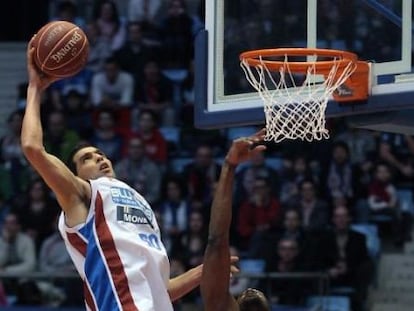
253	300
69	161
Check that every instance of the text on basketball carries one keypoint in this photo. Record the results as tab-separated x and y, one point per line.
59	55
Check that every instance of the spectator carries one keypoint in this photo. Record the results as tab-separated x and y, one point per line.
15	164
286	259
59	140
11	150
382	193
139	171
112	88
99	48
105	136
383	200
258	213
188	135
255	168
78	114
154	93
37	212
135	52
360	142
192	243
397	151
144	10
292	175
308	242
314	211
350	263
174	207
177	36
201	174
68	11
17	252
80	82
110	24
148	132
291	227
54	258
363	178
339	175
166	239
246	35
269	26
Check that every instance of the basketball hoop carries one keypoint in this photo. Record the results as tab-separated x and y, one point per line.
295	108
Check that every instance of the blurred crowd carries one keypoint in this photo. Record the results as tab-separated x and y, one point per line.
296	207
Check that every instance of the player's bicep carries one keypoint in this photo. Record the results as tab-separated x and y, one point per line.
68	188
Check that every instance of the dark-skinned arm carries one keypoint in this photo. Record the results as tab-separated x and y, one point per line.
216	268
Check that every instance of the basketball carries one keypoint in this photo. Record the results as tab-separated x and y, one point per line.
61	49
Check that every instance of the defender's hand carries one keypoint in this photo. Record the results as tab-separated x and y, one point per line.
242	149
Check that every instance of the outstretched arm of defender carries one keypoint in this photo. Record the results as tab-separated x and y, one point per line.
216	271
68	188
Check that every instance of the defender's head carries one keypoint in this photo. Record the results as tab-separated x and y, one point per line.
253	300
88	162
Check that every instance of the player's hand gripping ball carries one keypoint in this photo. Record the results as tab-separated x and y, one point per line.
61	49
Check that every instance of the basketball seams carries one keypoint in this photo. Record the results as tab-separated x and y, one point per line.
62	49
80	65
41	33
72	59
57	44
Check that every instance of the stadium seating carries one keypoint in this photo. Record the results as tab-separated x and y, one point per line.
329	303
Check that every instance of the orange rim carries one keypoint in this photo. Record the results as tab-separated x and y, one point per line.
255	58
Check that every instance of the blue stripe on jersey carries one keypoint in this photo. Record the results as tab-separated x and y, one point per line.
86	230
97	274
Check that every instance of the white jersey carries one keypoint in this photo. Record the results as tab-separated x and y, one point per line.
118	251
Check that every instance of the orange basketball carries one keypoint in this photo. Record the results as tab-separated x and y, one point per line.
61	49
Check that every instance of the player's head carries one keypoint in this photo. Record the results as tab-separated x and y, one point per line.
88	162
253	300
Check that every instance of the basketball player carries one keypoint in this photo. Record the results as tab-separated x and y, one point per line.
216	271
109	229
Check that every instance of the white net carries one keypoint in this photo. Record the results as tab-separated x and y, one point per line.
295	108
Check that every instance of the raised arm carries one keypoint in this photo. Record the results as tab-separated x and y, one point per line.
69	189
216	271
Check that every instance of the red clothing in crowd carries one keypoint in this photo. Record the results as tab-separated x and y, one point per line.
252	217
379	190
155	146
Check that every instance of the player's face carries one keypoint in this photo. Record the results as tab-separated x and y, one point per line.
91	163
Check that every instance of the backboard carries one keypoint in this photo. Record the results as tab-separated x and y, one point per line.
378	31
